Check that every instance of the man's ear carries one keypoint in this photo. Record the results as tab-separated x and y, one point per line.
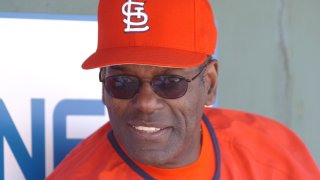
211	80
102	71
103	95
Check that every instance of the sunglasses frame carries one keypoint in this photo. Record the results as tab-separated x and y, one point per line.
102	78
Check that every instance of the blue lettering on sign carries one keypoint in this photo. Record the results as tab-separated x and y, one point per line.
62	145
33	167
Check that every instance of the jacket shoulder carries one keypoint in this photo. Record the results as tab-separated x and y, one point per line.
93	154
261	145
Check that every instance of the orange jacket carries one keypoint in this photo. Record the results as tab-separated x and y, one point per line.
249	147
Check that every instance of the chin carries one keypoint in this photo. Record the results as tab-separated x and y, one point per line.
156	159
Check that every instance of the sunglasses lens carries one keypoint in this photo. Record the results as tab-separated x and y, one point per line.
170	87
126	87
122	87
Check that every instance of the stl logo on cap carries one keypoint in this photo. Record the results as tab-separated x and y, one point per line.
141	17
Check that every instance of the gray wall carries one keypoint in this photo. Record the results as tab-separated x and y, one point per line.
83	7
268	53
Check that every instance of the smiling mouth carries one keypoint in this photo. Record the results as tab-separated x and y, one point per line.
147	129
149	132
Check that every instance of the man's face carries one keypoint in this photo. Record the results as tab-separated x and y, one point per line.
136	121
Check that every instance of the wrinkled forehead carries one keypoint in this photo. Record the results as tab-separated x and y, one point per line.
146	69
126	67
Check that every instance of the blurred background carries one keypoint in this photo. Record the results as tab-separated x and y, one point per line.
268	57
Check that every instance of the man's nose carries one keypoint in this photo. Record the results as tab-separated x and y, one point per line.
146	100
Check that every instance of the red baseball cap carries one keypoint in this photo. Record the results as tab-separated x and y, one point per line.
168	33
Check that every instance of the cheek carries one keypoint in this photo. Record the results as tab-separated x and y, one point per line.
193	102
116	111
114	106
188	113
190	109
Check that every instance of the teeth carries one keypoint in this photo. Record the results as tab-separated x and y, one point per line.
147	129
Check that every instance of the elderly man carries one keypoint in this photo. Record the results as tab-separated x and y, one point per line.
157	78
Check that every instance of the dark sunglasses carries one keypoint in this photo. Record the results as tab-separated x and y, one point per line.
165	86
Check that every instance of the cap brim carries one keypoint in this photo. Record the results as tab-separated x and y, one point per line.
154	56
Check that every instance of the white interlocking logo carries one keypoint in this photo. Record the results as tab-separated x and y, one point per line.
140	25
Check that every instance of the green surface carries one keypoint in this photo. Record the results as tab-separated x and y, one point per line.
269	53
83	7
